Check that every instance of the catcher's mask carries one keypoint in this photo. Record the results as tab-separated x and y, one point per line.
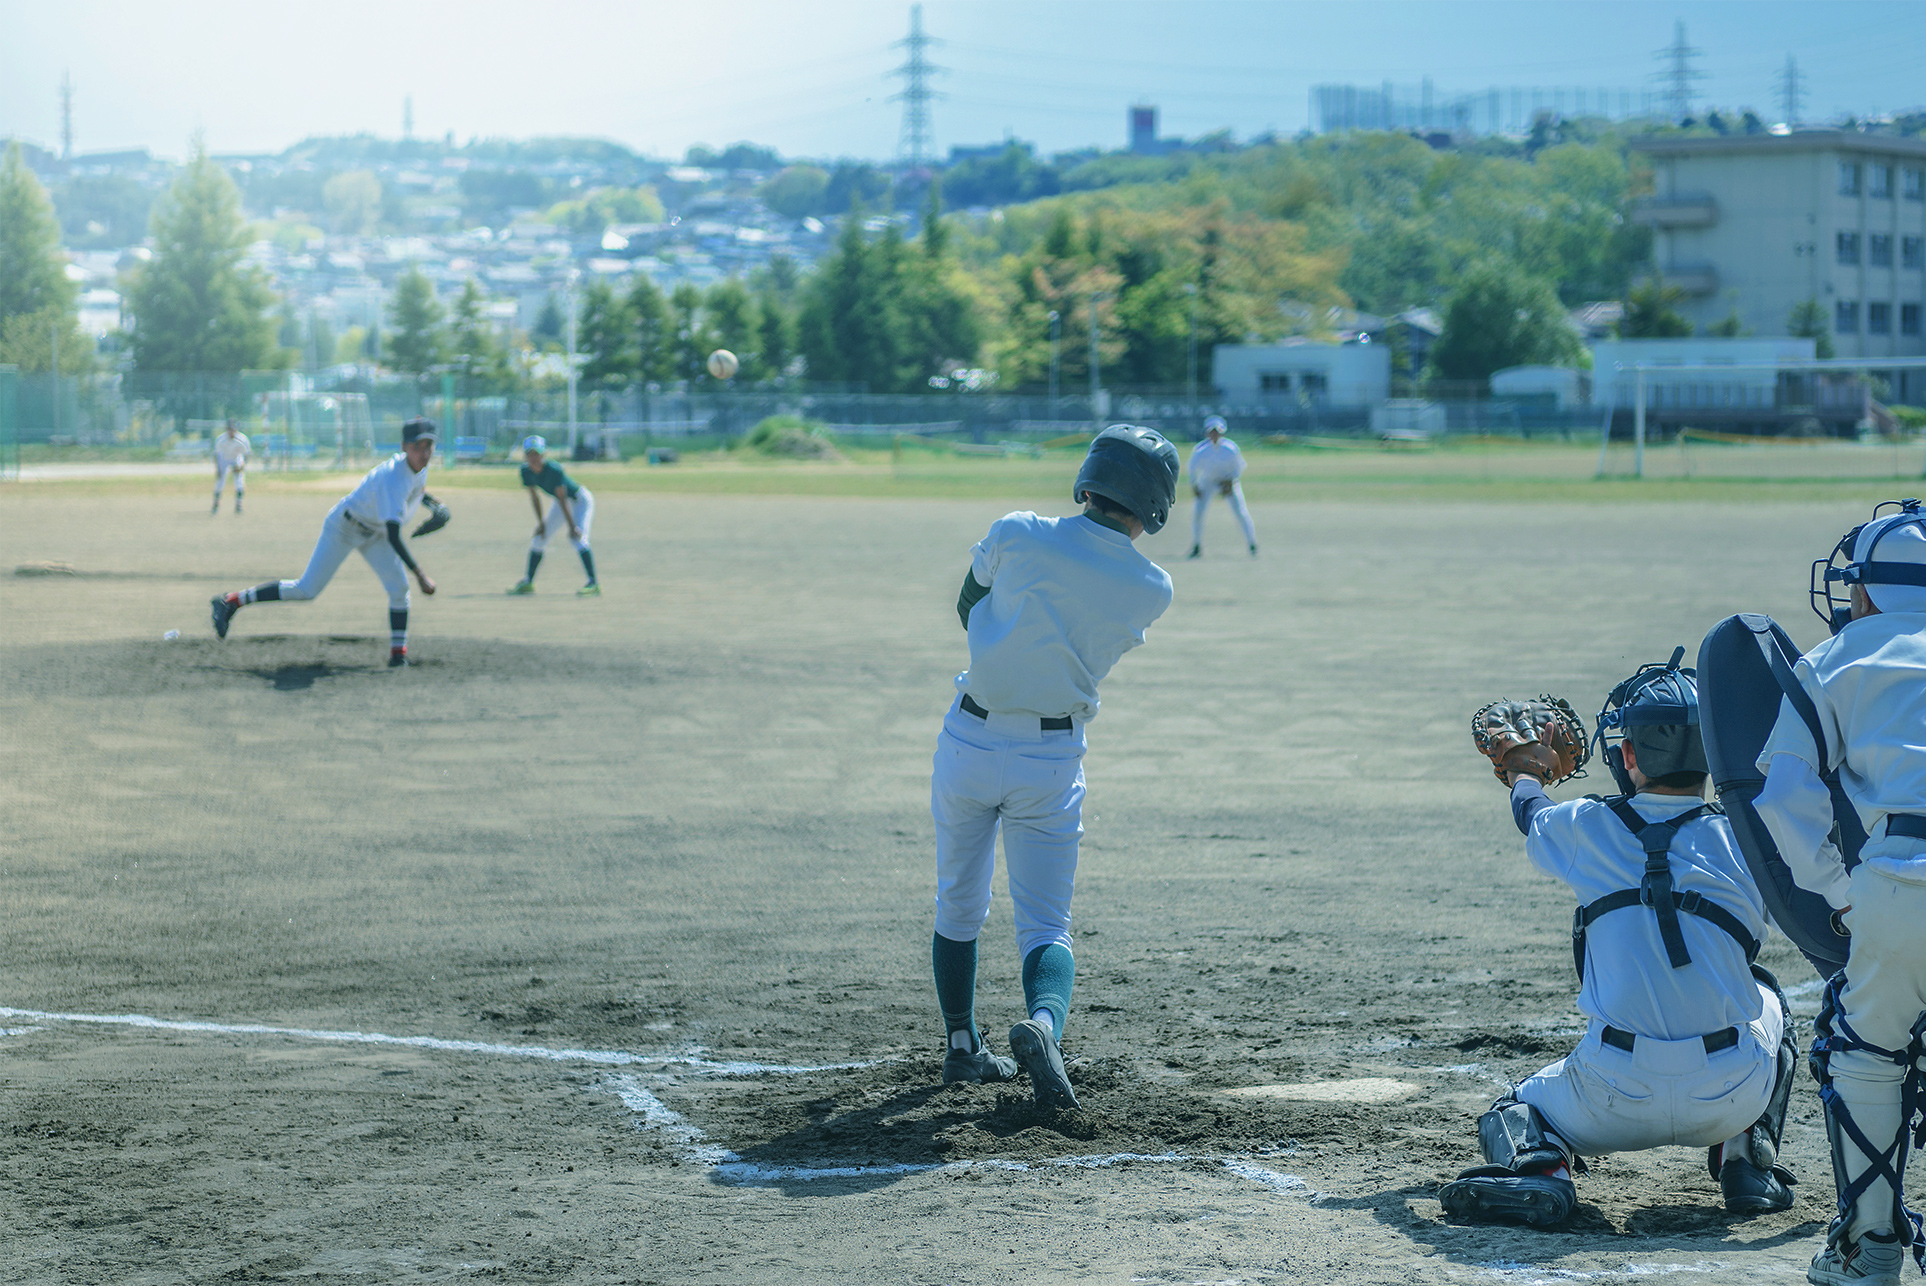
1851	563
1134	467
1657	710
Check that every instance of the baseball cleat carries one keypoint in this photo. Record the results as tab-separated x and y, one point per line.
1253	551
1036	1049
980	1068
1873	1260
1750	1190
1493	1194
223	613
397	657
1196	551
591	590
523	587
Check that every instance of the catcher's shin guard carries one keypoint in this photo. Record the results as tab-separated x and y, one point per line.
1524	1180
1835	1035
1516	1136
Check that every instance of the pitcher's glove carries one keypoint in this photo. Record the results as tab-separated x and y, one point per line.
1543	738
438	516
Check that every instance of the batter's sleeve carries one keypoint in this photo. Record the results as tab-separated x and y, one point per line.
401	547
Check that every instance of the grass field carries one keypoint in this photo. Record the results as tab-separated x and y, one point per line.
594	947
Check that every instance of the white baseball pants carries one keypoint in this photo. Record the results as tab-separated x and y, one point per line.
1005	773
341	536
583	506
1884	996
1660	1093
1236	499
222	469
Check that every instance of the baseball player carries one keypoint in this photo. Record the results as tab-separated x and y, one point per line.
368	519
1215	467
1857	705
1049	605
230	456
1686	1042
570	506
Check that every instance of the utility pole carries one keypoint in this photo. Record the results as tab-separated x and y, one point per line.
1678	73
66	116
916	94
1190	362
1096	387
572	274
1792	94
1056	338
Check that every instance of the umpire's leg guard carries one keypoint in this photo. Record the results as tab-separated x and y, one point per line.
1748	1168
1863	1164
1526	1176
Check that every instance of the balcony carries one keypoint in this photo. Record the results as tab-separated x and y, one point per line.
1676	212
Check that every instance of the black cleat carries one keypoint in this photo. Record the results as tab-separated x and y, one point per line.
1036	1048
980	1068
1196	551
1493	1194
1253	551
397	658
223	613
1752	1191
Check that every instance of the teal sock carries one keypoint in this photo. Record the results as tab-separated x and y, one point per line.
588	565
954	964
534	561
1048	974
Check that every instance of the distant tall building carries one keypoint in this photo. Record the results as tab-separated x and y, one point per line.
1143	129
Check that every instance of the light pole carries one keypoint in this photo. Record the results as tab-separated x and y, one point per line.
1056	338
1190	362
573	274
1096	413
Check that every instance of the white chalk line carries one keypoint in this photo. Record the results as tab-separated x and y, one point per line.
601	1057
1506	1270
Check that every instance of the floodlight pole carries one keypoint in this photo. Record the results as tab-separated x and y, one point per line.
1056	338
1190	363
1096	416
1638	429
572	307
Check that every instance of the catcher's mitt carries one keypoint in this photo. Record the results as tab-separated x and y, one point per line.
1544	738
438	516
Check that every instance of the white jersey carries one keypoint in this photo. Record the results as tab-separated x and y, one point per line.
230	451
1212	466
1868	686
1068	597
389	493
1629	981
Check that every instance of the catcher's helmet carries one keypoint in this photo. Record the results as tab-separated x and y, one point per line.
1657	710
1134	467
1851	563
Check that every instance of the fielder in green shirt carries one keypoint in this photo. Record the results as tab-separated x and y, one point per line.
570	507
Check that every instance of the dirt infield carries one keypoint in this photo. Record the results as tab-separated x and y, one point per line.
594	947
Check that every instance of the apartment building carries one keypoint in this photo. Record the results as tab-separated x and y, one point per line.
1761	223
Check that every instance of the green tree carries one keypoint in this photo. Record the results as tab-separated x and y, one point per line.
775	331
796	192
36	299
416	340
850	328
352	201
551	326
478	352
1807	320
1649	312
197	305
604	338
1730	326
654	332
733	324
1499	317
689	344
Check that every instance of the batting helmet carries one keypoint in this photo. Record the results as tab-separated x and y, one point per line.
1134	467
1657	710
1852	562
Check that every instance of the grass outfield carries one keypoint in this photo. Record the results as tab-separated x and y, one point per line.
1459	470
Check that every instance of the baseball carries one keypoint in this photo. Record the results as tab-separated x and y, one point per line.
722	364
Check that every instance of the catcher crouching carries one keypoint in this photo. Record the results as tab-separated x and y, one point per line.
1686	1043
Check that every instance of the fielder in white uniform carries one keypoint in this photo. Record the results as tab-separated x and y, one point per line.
570	508
1215	467
230	456
1865	691
1686	1041
368	519
1049	604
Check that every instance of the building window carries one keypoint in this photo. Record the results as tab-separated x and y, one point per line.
1847	247
1881	181
1909	319
1274	383
1879	319
1912	252
1848	178
1845	316
1879	250
1915	185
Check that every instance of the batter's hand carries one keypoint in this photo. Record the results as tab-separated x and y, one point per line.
427	586
1224	488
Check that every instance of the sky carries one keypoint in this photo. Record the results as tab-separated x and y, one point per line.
811	78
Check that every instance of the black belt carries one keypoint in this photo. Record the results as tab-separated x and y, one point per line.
1725	1038
1063	724
1911	825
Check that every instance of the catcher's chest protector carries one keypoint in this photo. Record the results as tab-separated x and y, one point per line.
1655	890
